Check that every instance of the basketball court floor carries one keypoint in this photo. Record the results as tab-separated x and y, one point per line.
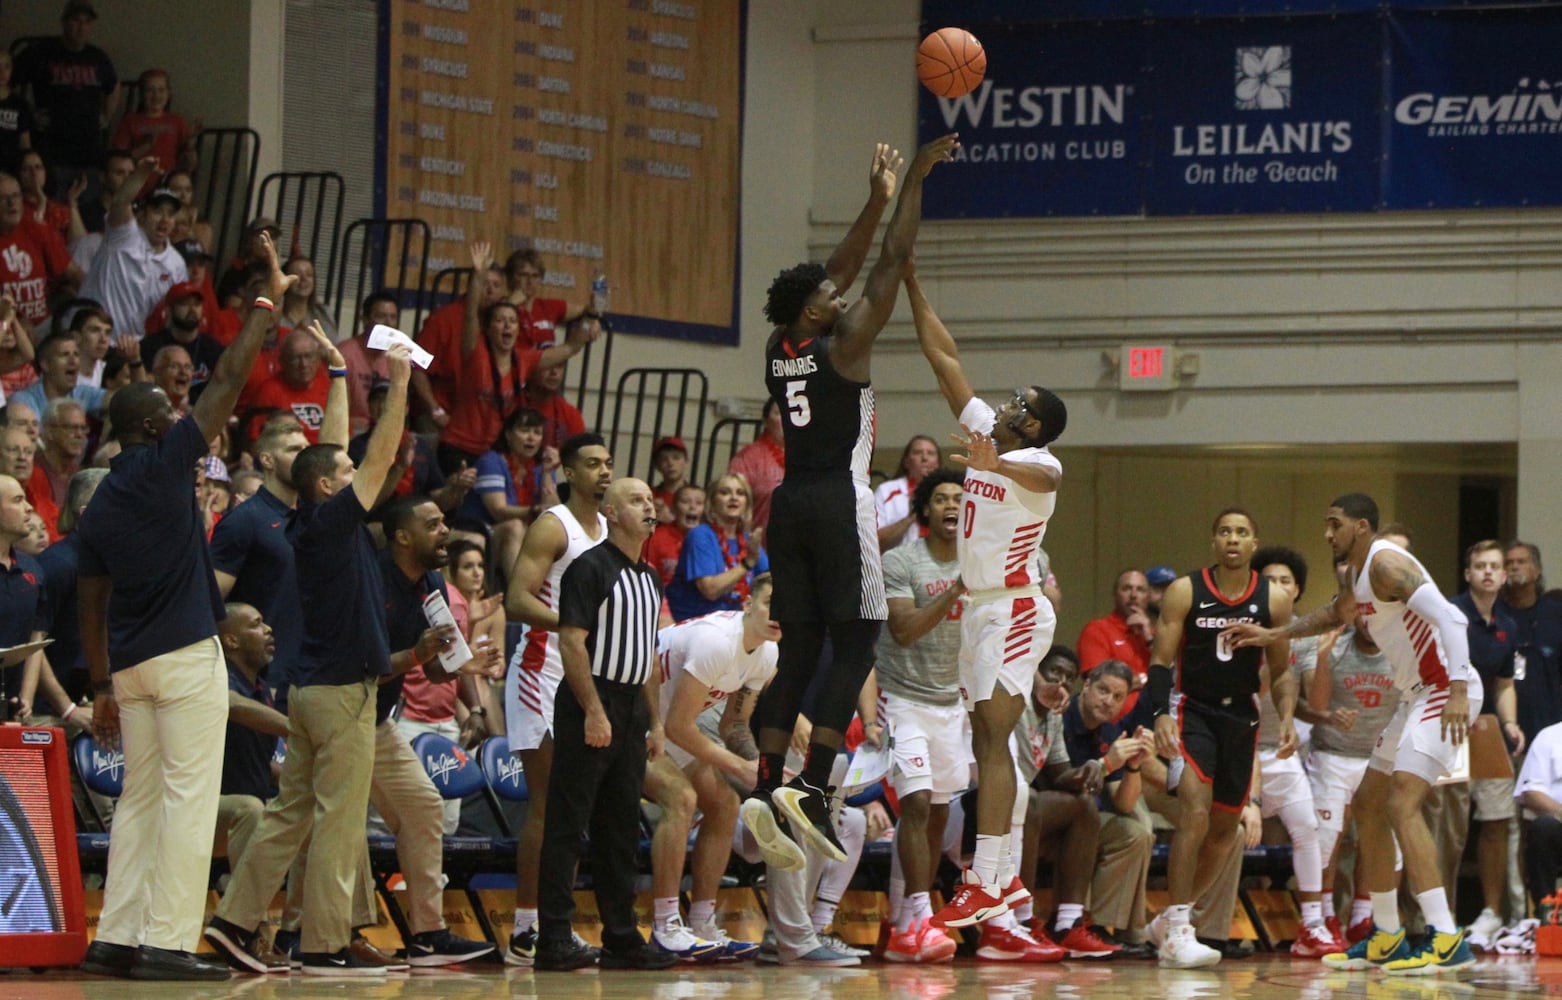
1258	978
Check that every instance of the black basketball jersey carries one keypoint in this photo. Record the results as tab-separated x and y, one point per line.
827	420
1210	672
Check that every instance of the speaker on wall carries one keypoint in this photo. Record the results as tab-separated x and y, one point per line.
42	920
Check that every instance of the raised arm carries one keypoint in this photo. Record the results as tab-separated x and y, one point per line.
215	406
385	439
938	346
122	209
482	257
847	259
859	326
580	333
334	429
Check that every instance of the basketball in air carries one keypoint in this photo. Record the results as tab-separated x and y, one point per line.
951	62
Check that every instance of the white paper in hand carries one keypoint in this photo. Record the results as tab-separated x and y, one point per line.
382	337
869	764
456	655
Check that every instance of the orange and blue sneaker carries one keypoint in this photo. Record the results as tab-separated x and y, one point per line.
1376	949
1439	952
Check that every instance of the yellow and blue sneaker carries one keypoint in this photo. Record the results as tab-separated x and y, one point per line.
1439	952
1378	948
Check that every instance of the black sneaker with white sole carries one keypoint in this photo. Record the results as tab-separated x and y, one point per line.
522	951
807	809
433	948
234	944
339	963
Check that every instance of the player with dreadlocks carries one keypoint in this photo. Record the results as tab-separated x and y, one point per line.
823	535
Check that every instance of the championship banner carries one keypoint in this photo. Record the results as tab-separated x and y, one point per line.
1054	129
603	133
1264	115
1475	106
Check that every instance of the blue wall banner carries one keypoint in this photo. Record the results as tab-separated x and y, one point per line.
1476	109
1056	128
1230	106
1264	115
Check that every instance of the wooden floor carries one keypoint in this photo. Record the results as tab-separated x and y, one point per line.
1261	978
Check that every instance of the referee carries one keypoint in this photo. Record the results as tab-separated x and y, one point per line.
608	604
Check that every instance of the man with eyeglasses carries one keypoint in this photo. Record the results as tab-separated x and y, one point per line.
540	317
1011	487
63	444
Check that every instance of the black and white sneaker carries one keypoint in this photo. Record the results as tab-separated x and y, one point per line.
807	809
431	948
339	963
522	952
234	944
761	818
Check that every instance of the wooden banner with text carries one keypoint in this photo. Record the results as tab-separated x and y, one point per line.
603	133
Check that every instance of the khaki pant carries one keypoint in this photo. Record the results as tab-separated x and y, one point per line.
1122	866
404	795
238	817
451	730
173	709
326	776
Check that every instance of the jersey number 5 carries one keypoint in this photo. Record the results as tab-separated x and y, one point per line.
797	408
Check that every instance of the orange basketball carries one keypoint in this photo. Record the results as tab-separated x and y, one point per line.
951	62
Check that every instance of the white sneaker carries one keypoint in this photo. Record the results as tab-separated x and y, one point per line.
675	939
838	944
1482	934
1155	931
1182	950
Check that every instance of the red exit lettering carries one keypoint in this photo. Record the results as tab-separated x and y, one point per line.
1145	362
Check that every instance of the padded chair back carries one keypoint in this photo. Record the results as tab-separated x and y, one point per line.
503	770
101	770
451	768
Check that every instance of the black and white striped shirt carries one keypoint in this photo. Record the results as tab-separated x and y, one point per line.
617	602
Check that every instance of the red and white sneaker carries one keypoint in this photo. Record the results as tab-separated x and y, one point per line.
1012	944
971	903
1314	942
1332	925
921	943
1359	930
1016	893
1083	942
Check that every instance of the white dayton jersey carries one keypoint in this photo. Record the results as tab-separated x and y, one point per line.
1412	644
536	668
1001	523
709	650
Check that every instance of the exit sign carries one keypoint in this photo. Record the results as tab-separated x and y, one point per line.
1146	367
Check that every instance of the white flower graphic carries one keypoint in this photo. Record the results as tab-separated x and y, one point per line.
1264	78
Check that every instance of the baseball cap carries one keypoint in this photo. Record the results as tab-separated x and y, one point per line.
216	469
669	442
193	250
264	222
162	194
184	290
1160	576
76	7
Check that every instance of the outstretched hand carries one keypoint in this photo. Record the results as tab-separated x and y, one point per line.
981	453
482	258
938	151
277	283
333	356
882	175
